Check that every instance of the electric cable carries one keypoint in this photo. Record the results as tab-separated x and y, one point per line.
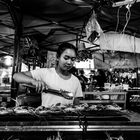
118	11
128	16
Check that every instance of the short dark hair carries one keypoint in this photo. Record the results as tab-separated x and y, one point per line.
62	47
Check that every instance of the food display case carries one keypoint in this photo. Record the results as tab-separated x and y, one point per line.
106	97
133	98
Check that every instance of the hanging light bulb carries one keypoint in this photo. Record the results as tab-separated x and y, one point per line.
8	60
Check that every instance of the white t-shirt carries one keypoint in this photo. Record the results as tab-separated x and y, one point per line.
54	81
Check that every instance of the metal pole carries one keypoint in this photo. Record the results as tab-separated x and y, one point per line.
17	20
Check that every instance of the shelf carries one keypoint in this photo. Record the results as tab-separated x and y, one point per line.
57	126
101	101
68	128
105	92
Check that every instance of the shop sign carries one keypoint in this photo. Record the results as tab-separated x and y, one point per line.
123	63
51	59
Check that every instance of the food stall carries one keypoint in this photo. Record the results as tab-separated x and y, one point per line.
101	115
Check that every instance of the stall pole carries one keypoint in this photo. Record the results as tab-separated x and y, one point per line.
17	20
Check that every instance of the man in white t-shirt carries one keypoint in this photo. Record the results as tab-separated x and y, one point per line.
59	78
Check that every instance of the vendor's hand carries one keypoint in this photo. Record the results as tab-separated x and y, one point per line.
39	85
76	101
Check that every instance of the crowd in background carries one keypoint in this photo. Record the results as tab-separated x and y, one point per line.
97	78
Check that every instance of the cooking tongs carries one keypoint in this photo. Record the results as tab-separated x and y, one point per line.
66	94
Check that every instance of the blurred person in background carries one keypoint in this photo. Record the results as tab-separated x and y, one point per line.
83	79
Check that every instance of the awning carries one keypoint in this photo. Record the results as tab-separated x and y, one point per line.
119	42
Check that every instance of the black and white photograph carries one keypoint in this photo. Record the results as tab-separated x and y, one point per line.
69	69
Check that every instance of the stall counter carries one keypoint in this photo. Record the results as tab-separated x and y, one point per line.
25	123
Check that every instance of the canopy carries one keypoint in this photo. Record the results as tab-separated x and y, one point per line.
52	22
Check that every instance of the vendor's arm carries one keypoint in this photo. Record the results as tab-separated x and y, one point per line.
26	78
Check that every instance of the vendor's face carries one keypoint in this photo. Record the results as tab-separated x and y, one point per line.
67	59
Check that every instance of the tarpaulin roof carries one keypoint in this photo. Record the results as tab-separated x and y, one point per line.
51	22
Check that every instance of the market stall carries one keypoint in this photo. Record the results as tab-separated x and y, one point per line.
33	37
